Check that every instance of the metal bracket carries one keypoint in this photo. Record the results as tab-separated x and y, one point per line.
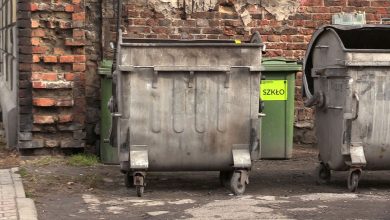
357	155
241	156
139	157
244	177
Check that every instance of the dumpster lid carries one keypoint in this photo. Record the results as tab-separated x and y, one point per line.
105	67
141	42
280	64
353	38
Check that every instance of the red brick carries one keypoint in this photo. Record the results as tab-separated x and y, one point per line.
59	51
79	58
35	58
67	59
38	33
35	41
69	76
44	102
380	4
43	119
34	23
78	33
39	49
78	16
79	67
69	8
44	76
63	118
33	7
50	59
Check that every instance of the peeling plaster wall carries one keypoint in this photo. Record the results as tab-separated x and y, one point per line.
166	6
281	9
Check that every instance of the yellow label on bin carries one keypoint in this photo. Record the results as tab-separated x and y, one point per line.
237	41
273	90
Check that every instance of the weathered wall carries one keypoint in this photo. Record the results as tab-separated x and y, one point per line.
286	27
52	74
61	43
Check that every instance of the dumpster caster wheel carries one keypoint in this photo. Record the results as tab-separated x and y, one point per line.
237	186
353	180
323	174
129	180
224	178
140	191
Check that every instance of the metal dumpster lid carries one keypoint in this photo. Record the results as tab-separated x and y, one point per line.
141	42
280	64
307	65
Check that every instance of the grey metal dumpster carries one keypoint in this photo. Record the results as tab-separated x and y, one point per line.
348	67
187	106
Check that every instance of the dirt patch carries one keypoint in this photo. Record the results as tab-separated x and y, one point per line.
278	189
8	157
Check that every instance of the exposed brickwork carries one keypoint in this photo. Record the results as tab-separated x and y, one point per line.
60	47
288	38
52	59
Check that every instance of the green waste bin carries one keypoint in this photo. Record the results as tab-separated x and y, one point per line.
277	92
108	154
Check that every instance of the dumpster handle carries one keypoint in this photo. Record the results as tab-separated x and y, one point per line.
384	19
356	96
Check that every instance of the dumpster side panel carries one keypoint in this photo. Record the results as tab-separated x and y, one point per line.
188	128
188	120
330	79
330	123
373	124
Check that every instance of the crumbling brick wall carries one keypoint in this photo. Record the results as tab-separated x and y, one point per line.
286	27
52	65
60	45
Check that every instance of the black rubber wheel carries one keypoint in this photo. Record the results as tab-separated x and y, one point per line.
224	178
235	185
129	180
322	174
353	180
140	190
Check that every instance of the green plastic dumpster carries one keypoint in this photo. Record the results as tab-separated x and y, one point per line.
277	93
108	154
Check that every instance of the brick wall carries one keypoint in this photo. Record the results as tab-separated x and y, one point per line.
60	45
52	65
286	27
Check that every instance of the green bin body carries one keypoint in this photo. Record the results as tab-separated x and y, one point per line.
108	154
277	93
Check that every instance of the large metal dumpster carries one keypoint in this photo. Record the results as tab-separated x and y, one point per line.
187	105
348	67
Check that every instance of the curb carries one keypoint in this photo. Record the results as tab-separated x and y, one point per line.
26	207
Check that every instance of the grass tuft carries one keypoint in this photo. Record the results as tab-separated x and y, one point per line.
22	172
79	160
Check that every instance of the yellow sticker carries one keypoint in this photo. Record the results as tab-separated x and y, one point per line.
237	41
273	90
